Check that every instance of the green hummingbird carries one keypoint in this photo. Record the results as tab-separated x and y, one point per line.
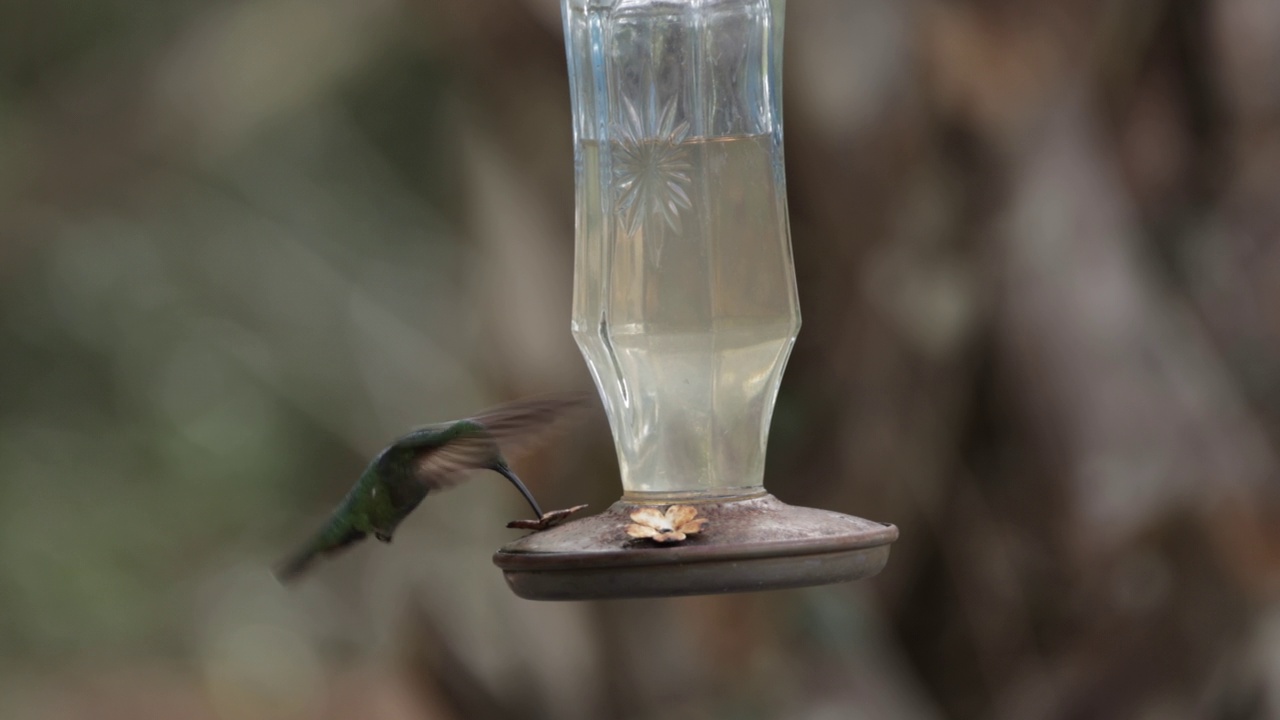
426	459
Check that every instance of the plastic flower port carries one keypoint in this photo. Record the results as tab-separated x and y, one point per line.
677	523
548	519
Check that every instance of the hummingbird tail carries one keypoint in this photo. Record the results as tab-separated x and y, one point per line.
292	567
295	565
506	472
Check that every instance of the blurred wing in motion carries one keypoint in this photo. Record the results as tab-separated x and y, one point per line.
446	465
521	425
512	429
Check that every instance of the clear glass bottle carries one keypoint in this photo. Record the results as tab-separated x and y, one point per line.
685	303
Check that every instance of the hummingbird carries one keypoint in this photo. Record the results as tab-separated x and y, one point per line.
430	458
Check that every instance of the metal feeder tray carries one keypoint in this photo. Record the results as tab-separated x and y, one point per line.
748	544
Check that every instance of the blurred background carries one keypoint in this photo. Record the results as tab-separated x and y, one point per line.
244	244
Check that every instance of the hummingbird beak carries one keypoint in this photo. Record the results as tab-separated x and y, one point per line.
506	472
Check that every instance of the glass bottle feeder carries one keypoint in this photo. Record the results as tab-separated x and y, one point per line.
685	307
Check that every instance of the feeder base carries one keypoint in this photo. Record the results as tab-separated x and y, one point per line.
758	543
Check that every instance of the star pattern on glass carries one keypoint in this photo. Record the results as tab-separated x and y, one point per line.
651	169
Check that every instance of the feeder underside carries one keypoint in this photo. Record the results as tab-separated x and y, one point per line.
758	543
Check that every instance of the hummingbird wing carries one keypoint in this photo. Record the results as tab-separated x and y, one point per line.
481	441
446	465
520	425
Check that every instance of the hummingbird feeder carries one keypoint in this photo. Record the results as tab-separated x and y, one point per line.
685	309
